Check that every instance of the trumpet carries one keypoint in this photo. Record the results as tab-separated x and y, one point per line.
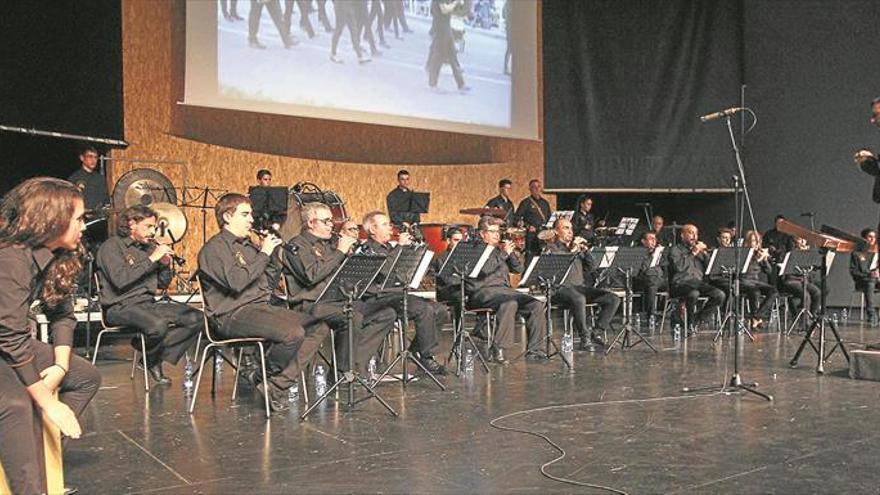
180	260
267	231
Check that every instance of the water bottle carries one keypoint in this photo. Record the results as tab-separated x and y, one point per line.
834	318
469	361
637	324
844	315
371	368
320	380
293	393
567	343
188	377
218	363
676	332
652	323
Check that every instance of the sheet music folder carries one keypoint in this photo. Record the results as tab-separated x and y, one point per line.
408	268
725	257
356	271
554	267
466	255
805	259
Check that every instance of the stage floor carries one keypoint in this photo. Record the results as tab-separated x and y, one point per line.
622	420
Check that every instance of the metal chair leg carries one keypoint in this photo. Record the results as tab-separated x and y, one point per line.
192	404
266	385
144	356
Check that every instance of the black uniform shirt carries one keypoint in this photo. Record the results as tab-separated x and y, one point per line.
504	203
93	186
127	274
686	267
396	201
582	224
534	212
495	272
21	277
654	275
237	272
309	270
581	266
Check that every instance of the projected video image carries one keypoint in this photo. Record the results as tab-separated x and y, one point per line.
447	60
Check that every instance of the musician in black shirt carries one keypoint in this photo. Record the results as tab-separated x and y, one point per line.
91	182
132	266
491	289
41	221
534	211
687	264
503	201
238	278
575	294
583	221
399	199
308	270
866	277
778	243
755	282
866	160
651	279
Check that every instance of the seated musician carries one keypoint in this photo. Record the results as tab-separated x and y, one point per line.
491	289
309	270
651	279
428	316
777	242
238	278
867	280
447	286
795	284
41	224
755	282
687	264
663	234
583	221
724	239
575	294
132	266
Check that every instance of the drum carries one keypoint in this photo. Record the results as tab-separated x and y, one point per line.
309	193
433	235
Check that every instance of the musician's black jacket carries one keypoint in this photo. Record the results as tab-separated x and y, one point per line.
685	265
309	269
506	204
495	272
871	166
93	186
533	212
127	274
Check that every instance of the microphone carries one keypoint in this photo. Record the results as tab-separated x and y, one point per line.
720	115
808	214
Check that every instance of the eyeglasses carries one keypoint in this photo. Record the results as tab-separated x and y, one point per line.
325	221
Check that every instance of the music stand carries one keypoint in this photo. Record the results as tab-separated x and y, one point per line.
801	262
819	322
626	260
269	204
407	270
464	261
349	283
726	262
549	272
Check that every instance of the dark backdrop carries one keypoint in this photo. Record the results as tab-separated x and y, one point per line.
60	70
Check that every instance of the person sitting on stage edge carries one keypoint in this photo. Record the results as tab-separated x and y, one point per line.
575	294
309	269
238	278
428	316
866	277
41	223
132	267
687	263
651	279
491	289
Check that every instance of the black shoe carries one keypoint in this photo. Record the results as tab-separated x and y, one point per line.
498	356
155	371
433	366
536	356
596	339
277	397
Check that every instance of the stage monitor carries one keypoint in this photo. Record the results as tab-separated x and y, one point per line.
253	64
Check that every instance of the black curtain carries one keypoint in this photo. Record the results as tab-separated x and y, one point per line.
624	84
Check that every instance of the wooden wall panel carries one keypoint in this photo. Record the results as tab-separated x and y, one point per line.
152	67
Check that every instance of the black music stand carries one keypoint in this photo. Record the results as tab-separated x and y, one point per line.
801	262
626	261
269	204
820	320
548	272
464	261
407	270
726	262
349	283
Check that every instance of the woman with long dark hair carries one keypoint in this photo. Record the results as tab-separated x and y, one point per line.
41	223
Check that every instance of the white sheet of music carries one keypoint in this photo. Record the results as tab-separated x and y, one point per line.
608	257
482	261
528	273
427	257
655	258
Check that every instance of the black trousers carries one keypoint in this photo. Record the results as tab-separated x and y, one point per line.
170	328
293	337
507	303
370	323
345	18
21	447
428	317
443	52
231	9
274	8
649	291
795	288
576	299
377	14
304	23
869	290
753	290
692	291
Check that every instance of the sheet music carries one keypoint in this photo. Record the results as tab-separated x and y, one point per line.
528	272
784	263
627	226
655	258
427	257
711	262
829	257
749	256
608	257
556	215
482	261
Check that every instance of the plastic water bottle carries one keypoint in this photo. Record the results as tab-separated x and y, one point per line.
637	323
293	393
834	318
844	315
469	361
218	363
567	343
652	323
320	380
188	377
371	368
676	332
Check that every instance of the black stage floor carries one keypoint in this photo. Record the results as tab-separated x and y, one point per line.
622	420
